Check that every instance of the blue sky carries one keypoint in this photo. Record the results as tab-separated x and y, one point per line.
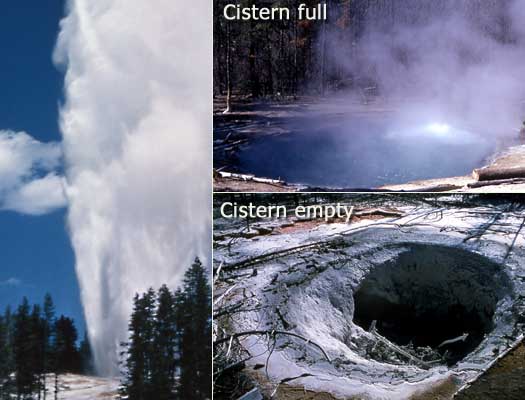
31	86
35	252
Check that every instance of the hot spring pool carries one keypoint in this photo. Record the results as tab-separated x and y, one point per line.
364	152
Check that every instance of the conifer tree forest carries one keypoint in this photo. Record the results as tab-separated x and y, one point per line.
35	343
167	356
277	58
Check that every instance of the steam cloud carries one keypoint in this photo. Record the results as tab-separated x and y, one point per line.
456	60
136	126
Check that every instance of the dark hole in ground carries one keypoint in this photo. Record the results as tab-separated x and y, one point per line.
430	294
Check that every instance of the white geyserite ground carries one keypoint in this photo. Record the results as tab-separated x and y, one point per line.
82	387
313	290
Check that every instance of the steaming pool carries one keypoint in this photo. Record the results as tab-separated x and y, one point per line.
364	152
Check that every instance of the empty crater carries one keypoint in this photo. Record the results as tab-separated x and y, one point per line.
432	296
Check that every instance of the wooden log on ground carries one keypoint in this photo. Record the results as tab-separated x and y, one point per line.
496	182
378	211
498	173
445	187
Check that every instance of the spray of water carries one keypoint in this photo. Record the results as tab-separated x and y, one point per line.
135	126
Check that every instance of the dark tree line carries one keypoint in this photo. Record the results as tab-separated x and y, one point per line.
283	58
35	345
169	354
263	58
290	57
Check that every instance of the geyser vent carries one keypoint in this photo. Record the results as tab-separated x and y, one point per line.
432	296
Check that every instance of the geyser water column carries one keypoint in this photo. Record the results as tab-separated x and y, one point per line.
135	126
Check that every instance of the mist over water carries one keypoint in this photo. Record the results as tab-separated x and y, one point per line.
451	75
458	60
422	89
363	151
135	127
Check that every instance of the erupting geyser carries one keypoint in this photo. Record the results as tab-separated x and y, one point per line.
135	130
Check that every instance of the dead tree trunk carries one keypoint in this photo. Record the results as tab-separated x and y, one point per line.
323	55
228	69
295	51
252	60
498	173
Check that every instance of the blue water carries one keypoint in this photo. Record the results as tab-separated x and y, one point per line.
364	152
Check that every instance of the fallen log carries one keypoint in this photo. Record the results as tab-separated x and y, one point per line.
495	182
271	333
498	173
487	368
249	177
404	353
442	187
378	211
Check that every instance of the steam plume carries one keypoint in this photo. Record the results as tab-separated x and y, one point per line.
136	125
459	60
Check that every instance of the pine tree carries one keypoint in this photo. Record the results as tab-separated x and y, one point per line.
196	334
48	327
168	355
66	353
138	364
22	346
86	356
180	322
6	355
36	344
4	368
164	345
27	349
